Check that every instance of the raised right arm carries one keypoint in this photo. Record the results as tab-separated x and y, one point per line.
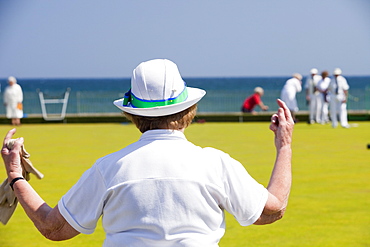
281	178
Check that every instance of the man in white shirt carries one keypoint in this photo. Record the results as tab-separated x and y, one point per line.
313	96
161	190
338	92
322	102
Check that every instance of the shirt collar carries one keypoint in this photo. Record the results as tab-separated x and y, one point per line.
162	134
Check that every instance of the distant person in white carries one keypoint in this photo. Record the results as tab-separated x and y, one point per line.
313	96
338	91
322	103
288	94
13	98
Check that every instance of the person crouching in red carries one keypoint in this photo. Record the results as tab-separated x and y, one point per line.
253	100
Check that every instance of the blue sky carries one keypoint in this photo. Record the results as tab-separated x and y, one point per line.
210	38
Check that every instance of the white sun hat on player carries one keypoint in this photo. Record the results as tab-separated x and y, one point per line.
337	71
157	89
314	71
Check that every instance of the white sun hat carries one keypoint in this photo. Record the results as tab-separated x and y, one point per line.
157	89
314	71
337	71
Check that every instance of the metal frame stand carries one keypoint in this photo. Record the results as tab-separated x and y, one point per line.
54	117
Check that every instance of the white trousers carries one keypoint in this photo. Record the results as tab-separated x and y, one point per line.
322	107
315	107
338	109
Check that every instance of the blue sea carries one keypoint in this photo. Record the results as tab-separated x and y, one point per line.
95	96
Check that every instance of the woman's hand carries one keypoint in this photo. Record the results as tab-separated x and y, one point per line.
282	125
11	157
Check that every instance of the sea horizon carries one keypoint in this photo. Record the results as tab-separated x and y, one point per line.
224	94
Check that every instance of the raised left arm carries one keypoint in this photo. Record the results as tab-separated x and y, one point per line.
47	220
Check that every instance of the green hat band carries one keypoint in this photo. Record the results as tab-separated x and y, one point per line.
131	100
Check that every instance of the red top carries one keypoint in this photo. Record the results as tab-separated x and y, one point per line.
252	101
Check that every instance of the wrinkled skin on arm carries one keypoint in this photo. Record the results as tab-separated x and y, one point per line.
47	220
281	178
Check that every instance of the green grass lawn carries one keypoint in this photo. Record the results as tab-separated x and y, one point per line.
330	197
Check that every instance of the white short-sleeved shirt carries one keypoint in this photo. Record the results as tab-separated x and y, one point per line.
311	83
337	87
323	84
289	91
163	191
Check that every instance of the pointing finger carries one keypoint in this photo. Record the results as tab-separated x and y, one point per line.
287	114
281	116
8	136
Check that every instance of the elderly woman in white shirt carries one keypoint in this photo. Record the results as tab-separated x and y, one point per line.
13	98
161	190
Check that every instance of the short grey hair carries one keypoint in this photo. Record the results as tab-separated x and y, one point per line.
298	76
258	90
12	79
